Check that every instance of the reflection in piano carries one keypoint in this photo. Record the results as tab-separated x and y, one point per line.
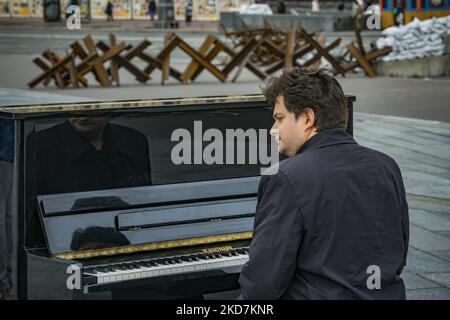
94	186
89	153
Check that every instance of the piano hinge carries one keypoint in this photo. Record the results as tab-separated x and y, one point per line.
155	246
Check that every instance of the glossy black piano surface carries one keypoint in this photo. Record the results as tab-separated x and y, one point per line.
108	187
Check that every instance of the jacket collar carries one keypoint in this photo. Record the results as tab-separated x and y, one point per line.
325	138
77	145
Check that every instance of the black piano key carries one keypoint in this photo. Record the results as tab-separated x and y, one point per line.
122	268
147	264
163	262
91	271
187	258
242	251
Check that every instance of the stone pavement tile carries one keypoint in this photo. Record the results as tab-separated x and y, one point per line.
428	294
409	141
437	170
426	240
429	221
441	135
421	262
436	206
425	184
403	156
442	254
423	156
413	281
444	233
442	278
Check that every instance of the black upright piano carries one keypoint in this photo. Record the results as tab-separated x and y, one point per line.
147	199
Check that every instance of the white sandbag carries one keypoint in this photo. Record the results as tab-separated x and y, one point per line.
256	8
417	39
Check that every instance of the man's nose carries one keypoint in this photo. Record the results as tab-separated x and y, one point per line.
274	126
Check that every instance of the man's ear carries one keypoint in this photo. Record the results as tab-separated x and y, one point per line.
310	117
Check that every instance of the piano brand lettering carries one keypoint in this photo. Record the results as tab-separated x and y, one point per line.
217	249
374	280
74	280
255	141
193	310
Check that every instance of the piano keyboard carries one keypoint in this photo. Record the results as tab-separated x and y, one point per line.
166	266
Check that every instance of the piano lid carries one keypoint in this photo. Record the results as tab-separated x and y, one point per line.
108	222
210	102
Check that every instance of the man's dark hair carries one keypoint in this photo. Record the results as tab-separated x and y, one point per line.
312	88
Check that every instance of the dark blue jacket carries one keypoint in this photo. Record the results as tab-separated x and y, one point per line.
331	212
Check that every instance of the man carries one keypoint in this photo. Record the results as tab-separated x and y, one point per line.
333	212
89	153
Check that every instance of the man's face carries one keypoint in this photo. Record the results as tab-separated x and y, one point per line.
289	132
87	126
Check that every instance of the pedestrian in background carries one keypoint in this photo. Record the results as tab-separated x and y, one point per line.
188	12
109	11
281	7
152	9
398	12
